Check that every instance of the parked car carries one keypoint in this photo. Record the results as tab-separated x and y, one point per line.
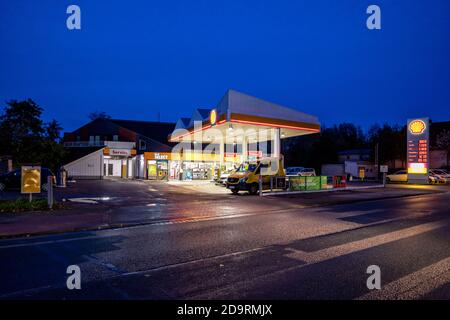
12	180
439	176
224	177
435	176
399	176
293	171
307	172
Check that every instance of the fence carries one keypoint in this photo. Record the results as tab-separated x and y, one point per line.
282	184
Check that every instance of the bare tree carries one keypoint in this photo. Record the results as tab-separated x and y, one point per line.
99	115
443	140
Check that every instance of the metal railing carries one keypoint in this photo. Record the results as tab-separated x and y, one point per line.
297	184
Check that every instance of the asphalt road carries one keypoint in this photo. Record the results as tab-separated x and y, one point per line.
290	253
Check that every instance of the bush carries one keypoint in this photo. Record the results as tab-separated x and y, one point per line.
23	204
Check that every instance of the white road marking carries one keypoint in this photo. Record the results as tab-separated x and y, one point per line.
280	193
91	200
329	253
359	245
414	285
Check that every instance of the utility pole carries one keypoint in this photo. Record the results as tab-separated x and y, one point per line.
377	165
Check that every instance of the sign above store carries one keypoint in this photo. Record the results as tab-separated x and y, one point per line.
119	152
418	154
157	155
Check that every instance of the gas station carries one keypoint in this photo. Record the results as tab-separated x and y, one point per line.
240	128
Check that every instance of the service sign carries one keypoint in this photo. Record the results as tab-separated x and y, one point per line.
418	151
120	152
31	179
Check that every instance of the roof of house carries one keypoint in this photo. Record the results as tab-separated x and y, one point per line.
151	129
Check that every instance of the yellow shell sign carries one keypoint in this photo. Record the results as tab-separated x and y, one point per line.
31	180
213	116
417	127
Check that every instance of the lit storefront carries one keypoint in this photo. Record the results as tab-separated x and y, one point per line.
158	165
240	128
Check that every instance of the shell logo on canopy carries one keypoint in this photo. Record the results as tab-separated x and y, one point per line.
213	116
417	127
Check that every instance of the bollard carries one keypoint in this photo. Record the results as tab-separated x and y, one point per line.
260	185
64	179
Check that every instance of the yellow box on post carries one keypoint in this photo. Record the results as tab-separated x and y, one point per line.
31	179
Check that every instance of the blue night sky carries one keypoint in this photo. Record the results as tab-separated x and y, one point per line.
133	59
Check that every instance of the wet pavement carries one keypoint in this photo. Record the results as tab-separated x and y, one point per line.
277	249
100	204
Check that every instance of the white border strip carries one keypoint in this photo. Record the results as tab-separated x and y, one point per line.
276	193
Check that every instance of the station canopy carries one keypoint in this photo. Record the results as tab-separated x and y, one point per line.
243	115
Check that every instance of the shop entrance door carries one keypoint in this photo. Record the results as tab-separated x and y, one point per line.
163	170
124	170
110	169
152	171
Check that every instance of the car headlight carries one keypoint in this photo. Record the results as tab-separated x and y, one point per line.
243	180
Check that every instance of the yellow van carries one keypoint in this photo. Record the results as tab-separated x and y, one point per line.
246	176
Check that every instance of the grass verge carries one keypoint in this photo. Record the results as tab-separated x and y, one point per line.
22	204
